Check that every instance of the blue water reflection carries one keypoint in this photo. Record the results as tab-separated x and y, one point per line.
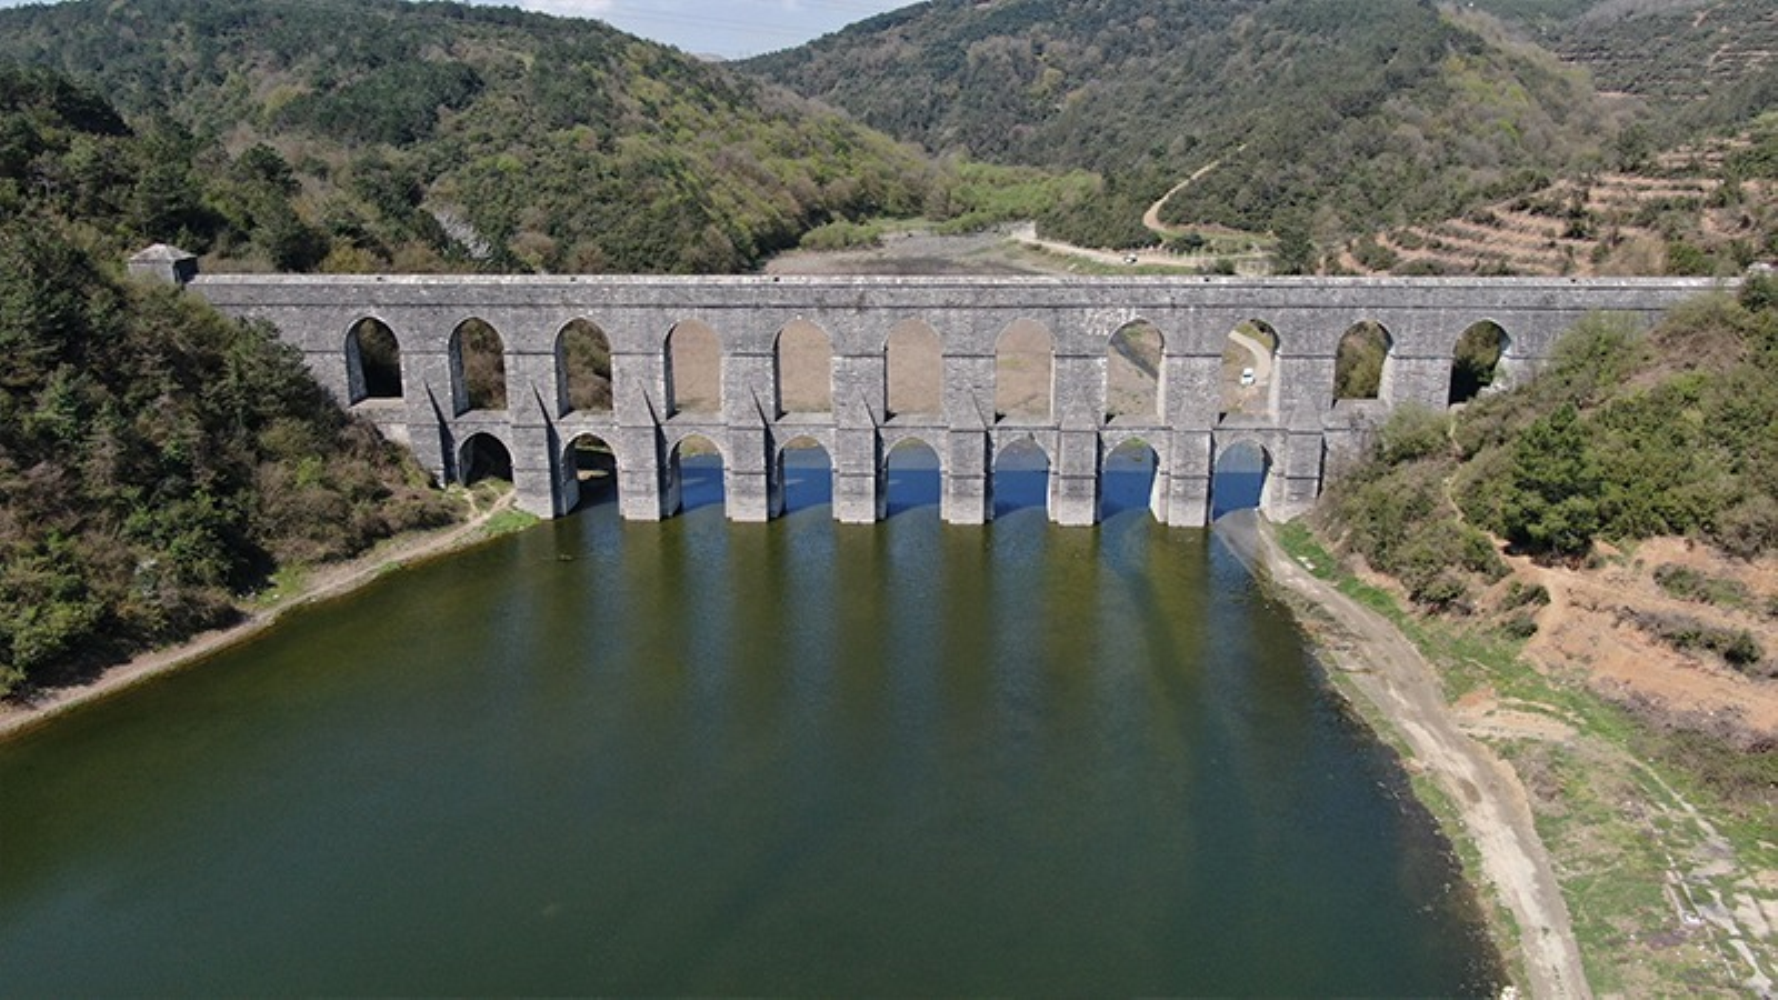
808	479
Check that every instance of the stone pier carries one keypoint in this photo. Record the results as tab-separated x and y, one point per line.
1299	429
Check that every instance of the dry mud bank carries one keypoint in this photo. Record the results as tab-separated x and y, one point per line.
1614	850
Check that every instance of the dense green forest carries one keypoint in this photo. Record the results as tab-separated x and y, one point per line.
1328	117
156	459
360	135
378	134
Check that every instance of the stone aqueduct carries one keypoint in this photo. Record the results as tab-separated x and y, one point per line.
1302	431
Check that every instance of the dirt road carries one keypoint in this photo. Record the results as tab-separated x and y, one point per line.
1151	220
1390	672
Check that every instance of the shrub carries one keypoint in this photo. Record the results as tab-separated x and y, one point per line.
1750	527
1737	647
1518	595
841	234
1759	292
1412	432
1189	243
1690	585
1444	591
1520	625
1479	556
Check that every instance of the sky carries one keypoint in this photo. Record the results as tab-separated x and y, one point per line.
726	28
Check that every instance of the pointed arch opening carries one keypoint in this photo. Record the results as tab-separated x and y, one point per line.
478	366
373	362
1133	371
594	468
1476	364
1362	361
1024	372
804	357
915	361
1128	480
1239	478
1249	356
1021	477
914	477
694	369
695	474
805	475
482	457
583	368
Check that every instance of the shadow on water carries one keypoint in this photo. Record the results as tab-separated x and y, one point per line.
913	478
699	757
1240	480
1126	483
700	482
808	479
595	469
1021	480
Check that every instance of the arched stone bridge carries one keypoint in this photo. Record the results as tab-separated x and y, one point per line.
1300	429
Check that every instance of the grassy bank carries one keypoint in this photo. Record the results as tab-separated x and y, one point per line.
1670	887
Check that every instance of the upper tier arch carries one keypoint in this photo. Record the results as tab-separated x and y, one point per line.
739	386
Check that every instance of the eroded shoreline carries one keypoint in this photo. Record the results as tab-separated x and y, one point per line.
1398	682
325	583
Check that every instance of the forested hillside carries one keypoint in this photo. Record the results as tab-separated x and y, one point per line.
156	459
1624	436
1709	59
1701	209
1634	482
381	134
1321	117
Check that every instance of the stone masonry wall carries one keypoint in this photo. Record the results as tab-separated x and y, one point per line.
1302	434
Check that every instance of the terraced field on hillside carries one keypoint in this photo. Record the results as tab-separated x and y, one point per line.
1680	216
1673	51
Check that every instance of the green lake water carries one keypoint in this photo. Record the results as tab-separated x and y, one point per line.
696	757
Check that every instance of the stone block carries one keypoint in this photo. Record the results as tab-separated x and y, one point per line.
1077	391
967	454
747	495
966	500
859	389
969	391
1077	455
1190	454
1074	500
749	389
855	452
748	449
1422	381
857	499
1188	501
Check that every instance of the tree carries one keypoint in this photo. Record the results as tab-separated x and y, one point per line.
1553	503
1295	253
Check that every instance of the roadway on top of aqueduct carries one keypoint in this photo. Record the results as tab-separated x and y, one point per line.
1300	432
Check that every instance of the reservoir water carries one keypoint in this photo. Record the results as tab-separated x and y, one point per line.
695	757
